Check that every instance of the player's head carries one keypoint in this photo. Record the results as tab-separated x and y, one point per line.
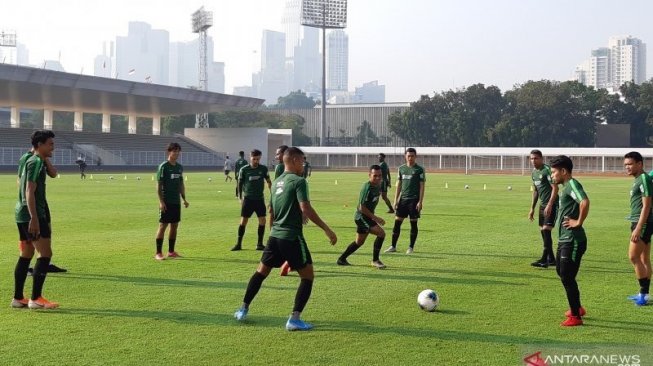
241	154
375	175
381	157
173	151
536	159
255	158
634	163
280	151
293	160
43	142
411	155
561	168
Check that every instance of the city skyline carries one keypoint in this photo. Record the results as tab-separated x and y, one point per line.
414	47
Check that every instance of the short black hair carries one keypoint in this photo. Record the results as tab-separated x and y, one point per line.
635	156
375	167
382	155
255	152
174	146
241	153
293	152
536	152
411	150
562	162
282	148
40	137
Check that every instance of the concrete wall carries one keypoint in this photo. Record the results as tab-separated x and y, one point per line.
233	140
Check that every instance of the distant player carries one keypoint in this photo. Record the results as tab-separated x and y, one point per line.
409	198
366	221
170	186
228	165
241	162
289	201
52	173
572	241
252	184
386	182
33	221
548	195
307	169
641	224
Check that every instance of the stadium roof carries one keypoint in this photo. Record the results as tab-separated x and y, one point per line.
28	87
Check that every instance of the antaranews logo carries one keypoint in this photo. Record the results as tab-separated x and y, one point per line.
535	360
568	357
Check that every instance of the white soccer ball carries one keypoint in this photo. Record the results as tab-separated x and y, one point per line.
428	300
111	177
138	178
510	188
210	179
466	186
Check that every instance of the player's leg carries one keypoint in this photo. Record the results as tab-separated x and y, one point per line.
569	263
270	258
400	214
246	211
26	252
260	214
159	240
299	258
637	256
378	243
361	235
172	240
43	246
413	213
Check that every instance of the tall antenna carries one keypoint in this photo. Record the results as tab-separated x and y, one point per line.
201	21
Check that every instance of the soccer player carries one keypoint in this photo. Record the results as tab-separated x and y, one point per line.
52	173
641	227
409	198
279	168
33	221
366	221
252	177
170	186
241	162
307	169
386	182
548	195
572	242
227	168
286	243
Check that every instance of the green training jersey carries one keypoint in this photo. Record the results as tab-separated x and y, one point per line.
410	178
34	172
252	181
642	187
307	169
171	178
278	170
385	172
240	163
287	192
22	161
542	182
369	197
569	197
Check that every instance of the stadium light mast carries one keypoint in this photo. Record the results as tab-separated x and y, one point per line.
325	14
201	21
7	39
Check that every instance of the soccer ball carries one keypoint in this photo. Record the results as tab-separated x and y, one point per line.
138	178
428	300
210	179
466	186
111	177
510	188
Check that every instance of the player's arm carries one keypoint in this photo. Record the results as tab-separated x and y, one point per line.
309	212
241	180
552	200
531	213
420	203
50	169
30	197
643	217
182	191
397	190
159	191
365	211
583	211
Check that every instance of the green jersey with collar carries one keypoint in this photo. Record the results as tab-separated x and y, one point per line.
252	181
410	177
171	178
287	192
569	198
642	187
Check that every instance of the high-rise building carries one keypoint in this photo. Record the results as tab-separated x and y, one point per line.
624	60
337	60
103	64
272	78
370	92
303	60
627	60
184	66
143	55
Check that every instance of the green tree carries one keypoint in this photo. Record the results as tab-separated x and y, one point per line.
365	135
295	100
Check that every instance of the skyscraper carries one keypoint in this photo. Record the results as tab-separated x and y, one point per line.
143	54
303	61
272	78
627	60
184	66
103	64
337	60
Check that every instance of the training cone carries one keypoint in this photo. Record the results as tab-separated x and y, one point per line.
446	185
186	178
531	188
91	176
485	187
336	182
58	175
152	177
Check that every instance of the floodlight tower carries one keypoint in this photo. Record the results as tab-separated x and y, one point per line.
201	21
7	39
325	14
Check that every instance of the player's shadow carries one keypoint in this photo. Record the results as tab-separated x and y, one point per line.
387	274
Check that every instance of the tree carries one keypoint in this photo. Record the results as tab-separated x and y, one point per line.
294	100
366	135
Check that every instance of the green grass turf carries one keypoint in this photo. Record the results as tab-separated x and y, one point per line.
119	306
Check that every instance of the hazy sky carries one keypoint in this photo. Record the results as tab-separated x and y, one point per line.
414	47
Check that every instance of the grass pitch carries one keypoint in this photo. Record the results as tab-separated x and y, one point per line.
121	307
